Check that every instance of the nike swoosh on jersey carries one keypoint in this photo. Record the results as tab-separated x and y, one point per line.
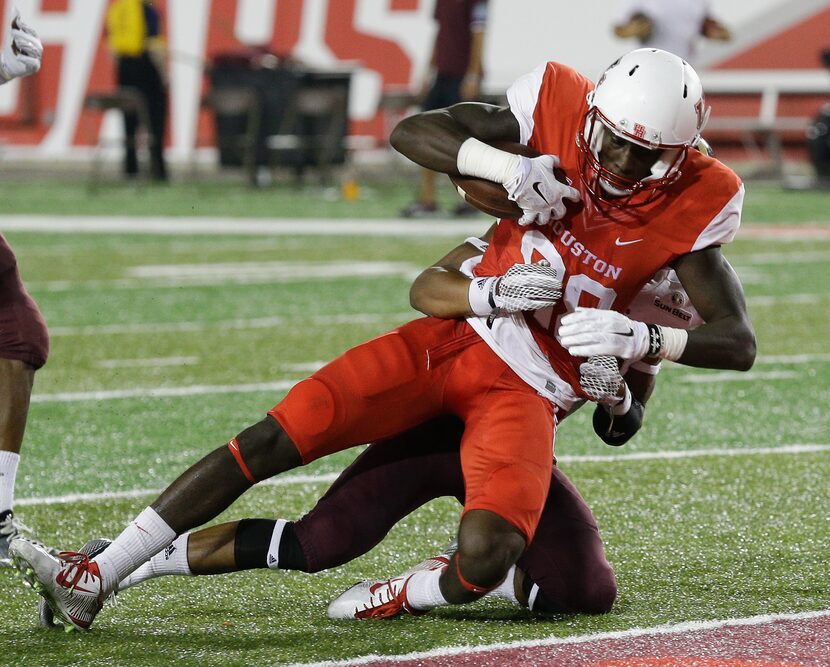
620	242
539	191
630	333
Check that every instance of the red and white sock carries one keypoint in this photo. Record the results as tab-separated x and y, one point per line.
142	539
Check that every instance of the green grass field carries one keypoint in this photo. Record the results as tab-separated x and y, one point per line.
739	529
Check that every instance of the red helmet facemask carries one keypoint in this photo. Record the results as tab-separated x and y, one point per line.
614	190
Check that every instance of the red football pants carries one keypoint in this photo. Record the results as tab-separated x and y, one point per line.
423	369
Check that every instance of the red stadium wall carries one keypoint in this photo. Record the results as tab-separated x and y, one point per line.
47	110
37	98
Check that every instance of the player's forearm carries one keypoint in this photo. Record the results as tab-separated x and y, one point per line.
728	344
441	292
431	139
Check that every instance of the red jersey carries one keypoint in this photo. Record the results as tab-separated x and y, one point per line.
606	255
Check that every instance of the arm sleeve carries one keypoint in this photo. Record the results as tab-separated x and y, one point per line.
724	225
522	97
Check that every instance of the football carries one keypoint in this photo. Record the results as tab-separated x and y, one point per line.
491	197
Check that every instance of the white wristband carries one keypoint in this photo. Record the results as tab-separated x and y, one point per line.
674	343
475	158
643	367
479	295
624	405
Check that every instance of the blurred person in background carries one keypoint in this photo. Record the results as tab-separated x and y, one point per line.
455	74
24	340
671	25
135	39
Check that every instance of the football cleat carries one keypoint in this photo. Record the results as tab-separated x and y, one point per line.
71	584
45	615
384	598
11	528
373	599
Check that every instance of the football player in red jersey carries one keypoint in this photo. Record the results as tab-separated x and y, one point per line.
564	569
24	341
645	202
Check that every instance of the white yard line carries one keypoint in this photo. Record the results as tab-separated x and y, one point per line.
791	358
148	362
763	258
163	392
737	376
786	299
253	323
177	226
257	273
326	478
673	629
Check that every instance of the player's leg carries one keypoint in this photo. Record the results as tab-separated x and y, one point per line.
16	378
386	482
564	569
155	95
127	77
374	390
24	347
361	396
506	456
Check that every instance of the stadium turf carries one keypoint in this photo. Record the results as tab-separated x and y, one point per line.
163	346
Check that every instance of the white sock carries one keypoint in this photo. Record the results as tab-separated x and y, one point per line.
8	473
273	557
423	591
505	590
169	561
142	539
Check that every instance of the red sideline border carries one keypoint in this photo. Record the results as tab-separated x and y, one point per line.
776	640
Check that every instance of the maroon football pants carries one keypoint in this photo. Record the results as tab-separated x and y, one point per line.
392	478
23	334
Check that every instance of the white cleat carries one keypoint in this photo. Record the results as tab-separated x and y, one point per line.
45	615
372	599
70	584
382	598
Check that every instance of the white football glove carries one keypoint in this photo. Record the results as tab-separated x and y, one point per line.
523	287
535	188
600	379
589	331
22	50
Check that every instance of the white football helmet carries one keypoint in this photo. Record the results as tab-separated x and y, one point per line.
651	98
